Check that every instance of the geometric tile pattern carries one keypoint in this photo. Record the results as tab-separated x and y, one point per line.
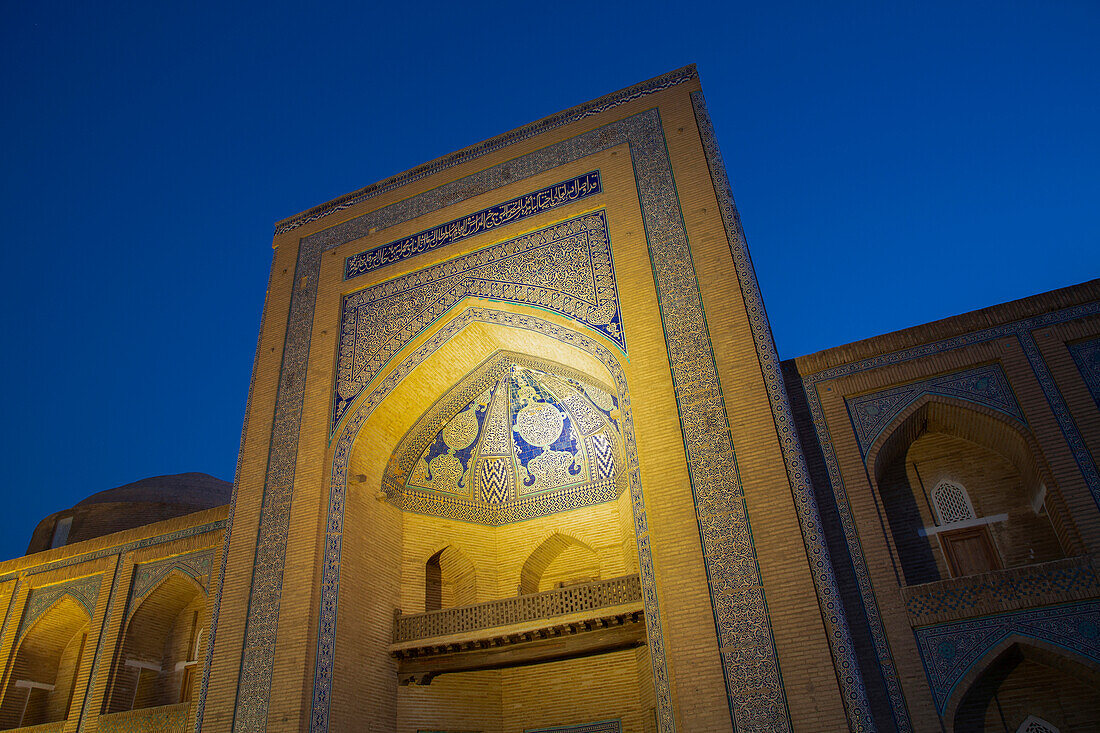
200	707
1086	354
147	576
950	650
565	268
551	197
82	590
1058	581
845	662
1019	329
984	385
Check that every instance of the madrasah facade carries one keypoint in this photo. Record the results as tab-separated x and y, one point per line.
519	455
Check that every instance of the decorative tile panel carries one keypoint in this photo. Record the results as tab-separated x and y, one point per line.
527	445
950	650
985	385
845	662
951	599
546	199
148	575
565	268
1086	355
84	591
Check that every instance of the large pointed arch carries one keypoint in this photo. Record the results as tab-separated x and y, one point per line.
1041	650
381	419
993	430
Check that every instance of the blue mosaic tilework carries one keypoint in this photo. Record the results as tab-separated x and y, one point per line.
529	444
330	579
565	268
200	707
84	591
1086	355
147	576
845	662
984	385
1057	581
523	207
1020	329
950	650
603	726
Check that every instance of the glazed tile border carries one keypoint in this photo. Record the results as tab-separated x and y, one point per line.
985	385
845	662
456	230
1086	355
147	576
200	708
1020	329
330	579
117	549
739	601
596	106
84	591
950	650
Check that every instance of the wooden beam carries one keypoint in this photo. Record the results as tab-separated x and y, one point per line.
422	668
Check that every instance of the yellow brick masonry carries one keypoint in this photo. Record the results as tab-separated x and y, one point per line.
372	559
40	570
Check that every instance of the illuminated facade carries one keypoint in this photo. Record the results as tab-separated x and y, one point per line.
520	455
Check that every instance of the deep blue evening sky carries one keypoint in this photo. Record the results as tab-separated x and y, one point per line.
893	164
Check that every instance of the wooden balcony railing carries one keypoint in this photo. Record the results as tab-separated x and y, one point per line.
998	591
163	719
519	609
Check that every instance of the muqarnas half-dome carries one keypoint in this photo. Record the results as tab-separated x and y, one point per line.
531	442
132	505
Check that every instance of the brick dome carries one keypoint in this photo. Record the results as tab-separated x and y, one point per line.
136	504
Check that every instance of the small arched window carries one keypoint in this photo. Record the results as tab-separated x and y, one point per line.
952	503
967	545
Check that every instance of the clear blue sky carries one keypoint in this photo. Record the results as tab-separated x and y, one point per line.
893	164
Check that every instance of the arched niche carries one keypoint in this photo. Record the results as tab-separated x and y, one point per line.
158	658
371	535
1019	515
47	662
450	580
1025	679
558	560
